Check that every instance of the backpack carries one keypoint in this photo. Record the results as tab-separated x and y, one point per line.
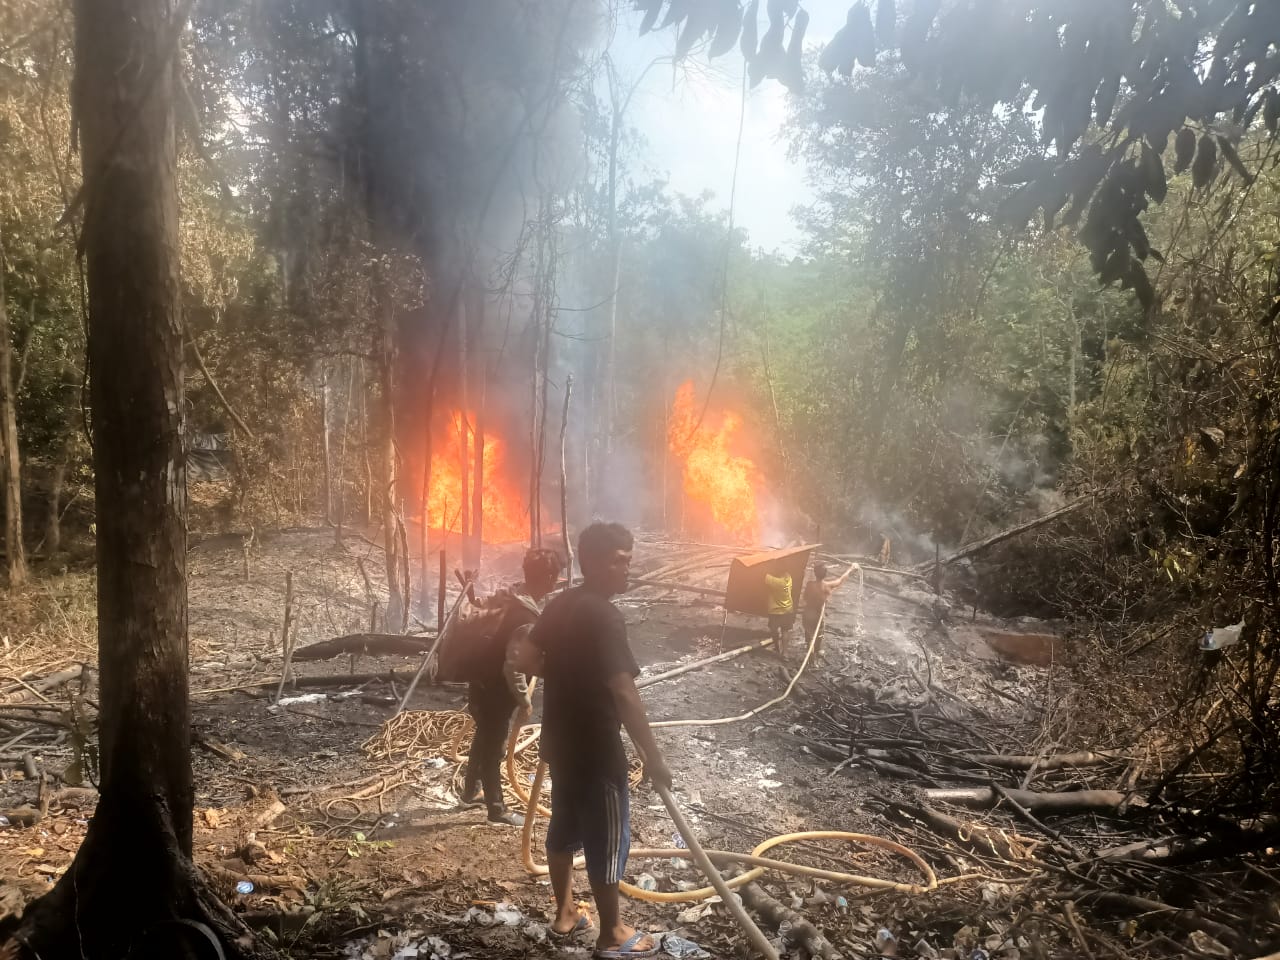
474	642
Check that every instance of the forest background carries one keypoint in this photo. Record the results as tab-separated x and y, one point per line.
403	237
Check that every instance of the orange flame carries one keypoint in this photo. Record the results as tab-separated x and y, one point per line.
722	481
506	519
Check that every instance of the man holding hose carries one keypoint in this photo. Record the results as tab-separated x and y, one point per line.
817	592
589	693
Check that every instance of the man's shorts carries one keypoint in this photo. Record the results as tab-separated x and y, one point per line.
590	812
782	621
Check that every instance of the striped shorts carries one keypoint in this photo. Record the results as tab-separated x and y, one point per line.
590	811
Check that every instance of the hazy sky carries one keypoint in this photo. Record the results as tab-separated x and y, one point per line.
690	119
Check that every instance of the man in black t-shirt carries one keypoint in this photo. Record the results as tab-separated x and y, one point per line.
590	691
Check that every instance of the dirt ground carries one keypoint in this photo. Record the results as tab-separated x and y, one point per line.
358	853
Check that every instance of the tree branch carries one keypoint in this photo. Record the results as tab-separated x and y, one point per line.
226	405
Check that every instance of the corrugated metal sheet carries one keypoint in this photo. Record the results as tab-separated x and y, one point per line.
746	591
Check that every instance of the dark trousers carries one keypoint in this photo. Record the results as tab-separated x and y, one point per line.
490	704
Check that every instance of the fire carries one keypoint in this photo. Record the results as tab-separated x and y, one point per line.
505	518
722	481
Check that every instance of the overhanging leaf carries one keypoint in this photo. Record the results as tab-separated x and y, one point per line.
1157	187
1206	162
1184	150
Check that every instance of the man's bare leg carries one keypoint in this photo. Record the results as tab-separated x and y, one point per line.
560	868
613	932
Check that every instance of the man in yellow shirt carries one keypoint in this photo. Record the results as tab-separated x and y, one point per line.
782	609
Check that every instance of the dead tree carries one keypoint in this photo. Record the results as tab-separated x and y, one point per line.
135	861
327	465
473	556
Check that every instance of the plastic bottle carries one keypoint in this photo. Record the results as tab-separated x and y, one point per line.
244	887
1219	638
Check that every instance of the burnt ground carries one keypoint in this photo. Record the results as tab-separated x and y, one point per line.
371	858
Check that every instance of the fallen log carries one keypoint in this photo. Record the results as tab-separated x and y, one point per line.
327	680
979	546
363	644
33	718
1061	761
41	684
1181	851
699	664
798	930
217	748
872	568
23	816
673	585
1074	801
1155	912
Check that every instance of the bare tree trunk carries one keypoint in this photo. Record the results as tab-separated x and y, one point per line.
464	412
397	608
324	443
135	861
342	455
53	522
11	478
618	108
424	534
542	369
1073	369
364	445
536	384
611	374
564	480
477	477
477	487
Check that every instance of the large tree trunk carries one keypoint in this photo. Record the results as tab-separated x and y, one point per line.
133	876
11	475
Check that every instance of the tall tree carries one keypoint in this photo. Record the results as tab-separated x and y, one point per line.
135	861
15	552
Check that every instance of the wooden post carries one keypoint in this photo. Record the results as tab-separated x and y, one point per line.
246	543
564	481
440	593
937	568
285	646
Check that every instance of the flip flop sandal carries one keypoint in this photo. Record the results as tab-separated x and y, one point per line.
627	950
584	925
